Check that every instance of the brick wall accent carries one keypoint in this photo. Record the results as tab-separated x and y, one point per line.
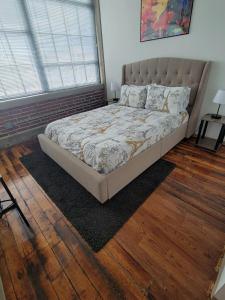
30	116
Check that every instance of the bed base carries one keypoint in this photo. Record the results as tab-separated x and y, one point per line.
103	187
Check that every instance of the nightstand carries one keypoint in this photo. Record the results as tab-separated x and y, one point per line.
112	101
208	143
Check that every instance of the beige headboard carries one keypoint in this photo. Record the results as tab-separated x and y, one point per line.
172	72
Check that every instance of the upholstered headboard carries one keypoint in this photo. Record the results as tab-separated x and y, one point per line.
172	72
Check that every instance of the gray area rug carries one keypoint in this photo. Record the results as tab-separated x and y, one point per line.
96	223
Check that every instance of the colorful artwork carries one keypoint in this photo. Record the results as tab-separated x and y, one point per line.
165	18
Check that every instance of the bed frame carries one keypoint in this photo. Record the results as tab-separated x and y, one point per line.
164	71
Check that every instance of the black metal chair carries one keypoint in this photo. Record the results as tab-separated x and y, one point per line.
12	203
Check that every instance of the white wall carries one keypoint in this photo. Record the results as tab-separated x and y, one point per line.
121	41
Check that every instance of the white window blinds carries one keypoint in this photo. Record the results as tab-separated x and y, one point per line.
18	71
46	45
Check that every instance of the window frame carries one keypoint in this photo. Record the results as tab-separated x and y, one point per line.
58	93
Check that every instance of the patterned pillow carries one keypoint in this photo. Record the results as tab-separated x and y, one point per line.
133	96
172	100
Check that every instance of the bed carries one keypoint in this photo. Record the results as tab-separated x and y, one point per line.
105	149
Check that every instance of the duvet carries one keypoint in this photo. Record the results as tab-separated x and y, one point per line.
107	137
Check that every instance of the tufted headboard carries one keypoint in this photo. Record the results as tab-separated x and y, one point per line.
170	71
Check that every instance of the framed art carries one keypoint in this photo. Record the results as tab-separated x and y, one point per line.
165	18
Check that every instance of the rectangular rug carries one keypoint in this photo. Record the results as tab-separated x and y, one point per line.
97	223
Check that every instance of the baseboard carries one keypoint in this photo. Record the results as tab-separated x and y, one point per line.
21	137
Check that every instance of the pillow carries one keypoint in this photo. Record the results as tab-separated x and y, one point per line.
172	100
133	96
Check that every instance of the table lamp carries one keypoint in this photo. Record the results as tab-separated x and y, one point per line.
219	99
114	88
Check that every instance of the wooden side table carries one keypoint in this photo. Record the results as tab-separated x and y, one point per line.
112	101
207	143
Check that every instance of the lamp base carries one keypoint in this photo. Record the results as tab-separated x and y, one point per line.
217	117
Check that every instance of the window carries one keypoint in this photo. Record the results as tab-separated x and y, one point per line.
46	45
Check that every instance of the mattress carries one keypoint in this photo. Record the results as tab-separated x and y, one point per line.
107	137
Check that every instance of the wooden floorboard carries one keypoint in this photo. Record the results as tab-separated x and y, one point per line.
169	249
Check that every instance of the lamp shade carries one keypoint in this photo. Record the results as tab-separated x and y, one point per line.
114	86
220	97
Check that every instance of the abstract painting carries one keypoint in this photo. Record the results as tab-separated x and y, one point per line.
165	18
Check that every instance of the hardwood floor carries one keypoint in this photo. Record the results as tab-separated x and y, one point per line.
169	249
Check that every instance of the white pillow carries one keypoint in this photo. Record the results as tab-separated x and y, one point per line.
172	100
133	96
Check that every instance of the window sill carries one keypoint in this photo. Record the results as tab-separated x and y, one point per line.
7	104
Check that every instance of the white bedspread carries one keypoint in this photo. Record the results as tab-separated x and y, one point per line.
107	137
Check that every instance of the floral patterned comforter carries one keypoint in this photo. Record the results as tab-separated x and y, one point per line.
107	137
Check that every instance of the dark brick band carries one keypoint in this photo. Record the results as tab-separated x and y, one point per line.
19	119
